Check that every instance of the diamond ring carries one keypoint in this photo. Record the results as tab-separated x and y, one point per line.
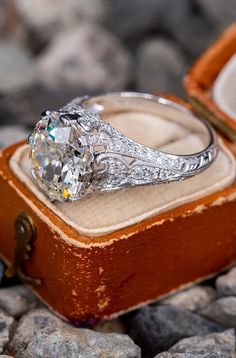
75	153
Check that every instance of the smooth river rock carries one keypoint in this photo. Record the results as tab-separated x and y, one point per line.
222	311
68	342
192	299
226	284
157	328
86	57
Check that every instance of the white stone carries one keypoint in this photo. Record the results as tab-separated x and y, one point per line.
192	299
47	17
17	70
86	57
9	134
226	284
58	160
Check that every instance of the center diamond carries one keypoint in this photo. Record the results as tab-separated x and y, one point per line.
61	164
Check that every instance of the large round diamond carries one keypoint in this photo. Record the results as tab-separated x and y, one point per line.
60	163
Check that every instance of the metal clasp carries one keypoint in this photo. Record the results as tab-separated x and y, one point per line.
25	235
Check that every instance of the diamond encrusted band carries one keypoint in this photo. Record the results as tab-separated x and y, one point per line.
75	153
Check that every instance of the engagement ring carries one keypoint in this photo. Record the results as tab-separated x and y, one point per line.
75	153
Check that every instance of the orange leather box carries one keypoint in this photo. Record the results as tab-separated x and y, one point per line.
86	278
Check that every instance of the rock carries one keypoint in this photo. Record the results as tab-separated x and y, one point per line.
12	134
130	19
8	114
226	284
195	35
2	266
2	17
172	13
28	325
24	107
17	300
86	57
7	325
182	355
213	345
71	342
112	326
218	12
187	26
44	19
192	299
157	328
222	311
160	67
16	67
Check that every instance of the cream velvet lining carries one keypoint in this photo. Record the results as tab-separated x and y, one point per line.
105	213
224	89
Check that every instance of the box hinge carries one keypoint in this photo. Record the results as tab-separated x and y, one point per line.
25	235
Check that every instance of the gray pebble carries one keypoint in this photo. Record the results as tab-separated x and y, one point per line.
219	12
160	67
28	325
12	134
222	311
216	345
7	325
226	284
17	300
192	299
157	328
196	35
130	19
2	17
24	107
71	342
191	31
2	266
180	355
44	19
86	57
111	326
16	67
9	114
173	12
219	344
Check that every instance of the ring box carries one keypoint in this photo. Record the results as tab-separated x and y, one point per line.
111	253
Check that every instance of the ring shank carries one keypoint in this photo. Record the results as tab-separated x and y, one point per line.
175	166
